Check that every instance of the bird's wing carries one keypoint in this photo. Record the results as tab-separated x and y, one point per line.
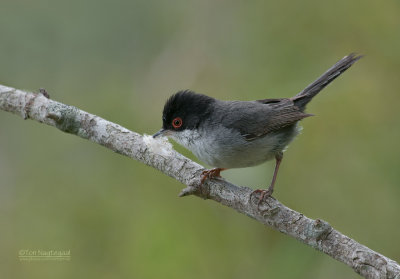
263	117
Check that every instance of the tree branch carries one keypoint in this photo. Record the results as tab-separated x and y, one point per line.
160	155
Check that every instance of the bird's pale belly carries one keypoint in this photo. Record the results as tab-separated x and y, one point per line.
232	150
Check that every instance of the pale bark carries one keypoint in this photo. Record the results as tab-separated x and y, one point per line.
160	155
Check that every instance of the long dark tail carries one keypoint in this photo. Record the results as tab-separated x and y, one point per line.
305	96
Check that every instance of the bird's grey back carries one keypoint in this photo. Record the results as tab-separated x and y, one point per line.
255	119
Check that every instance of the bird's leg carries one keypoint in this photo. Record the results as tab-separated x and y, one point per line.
270	190
208	174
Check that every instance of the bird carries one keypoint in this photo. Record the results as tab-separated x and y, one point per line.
239	134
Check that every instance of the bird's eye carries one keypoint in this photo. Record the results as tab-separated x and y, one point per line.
177	122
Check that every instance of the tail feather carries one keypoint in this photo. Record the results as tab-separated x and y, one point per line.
305	96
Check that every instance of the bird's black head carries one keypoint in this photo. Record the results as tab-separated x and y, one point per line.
185	110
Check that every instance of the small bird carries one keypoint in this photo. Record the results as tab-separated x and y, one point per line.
238	134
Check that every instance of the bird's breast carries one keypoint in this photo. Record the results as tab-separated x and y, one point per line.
227	148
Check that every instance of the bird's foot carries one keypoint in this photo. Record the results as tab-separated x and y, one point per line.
264	194
209	174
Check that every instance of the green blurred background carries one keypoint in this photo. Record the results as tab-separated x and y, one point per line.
121	60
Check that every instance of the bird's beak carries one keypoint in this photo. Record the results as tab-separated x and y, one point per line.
160	133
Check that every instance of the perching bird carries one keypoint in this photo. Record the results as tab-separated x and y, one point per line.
238	134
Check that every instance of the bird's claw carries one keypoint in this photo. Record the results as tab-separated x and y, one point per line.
264	194
209	174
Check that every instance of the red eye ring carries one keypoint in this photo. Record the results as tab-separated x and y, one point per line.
177	122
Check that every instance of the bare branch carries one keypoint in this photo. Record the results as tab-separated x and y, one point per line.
160	155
